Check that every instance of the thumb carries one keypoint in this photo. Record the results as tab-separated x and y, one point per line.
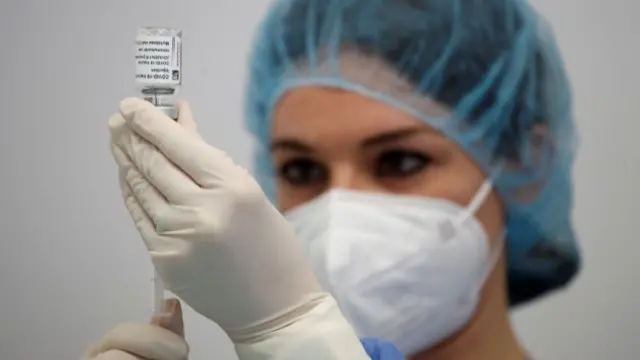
185	117
172	319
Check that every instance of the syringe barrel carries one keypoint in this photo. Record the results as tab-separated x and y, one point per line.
158	295
158	79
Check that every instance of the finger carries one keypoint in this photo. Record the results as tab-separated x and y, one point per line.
203	163
173	321
185	117
130	151
144	340
156	232
143	222
153	203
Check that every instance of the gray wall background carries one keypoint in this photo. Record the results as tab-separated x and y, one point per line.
72	265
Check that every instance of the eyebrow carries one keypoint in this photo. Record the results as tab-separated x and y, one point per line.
394	135
379	139
290	144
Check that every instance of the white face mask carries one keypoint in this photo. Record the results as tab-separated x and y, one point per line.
408	270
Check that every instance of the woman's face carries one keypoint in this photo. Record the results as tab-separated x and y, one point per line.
325	138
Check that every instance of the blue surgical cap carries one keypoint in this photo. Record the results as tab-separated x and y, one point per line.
492	65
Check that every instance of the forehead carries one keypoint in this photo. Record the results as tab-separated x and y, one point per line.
316	111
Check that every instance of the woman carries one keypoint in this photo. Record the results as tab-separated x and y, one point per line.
421	150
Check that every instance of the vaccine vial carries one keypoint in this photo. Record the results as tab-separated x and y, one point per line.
159	67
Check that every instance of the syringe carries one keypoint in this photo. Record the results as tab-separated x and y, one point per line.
158	79
158	295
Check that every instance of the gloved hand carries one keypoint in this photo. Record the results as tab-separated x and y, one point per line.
163	339
218	243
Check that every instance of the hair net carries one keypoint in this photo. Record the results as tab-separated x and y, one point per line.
486	73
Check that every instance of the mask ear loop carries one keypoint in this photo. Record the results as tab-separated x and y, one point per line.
449	228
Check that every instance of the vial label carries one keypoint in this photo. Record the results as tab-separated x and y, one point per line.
159	60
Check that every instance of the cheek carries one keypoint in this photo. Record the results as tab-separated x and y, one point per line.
285	200
455	180
288	198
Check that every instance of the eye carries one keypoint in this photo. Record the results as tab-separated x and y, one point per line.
400	163
302	172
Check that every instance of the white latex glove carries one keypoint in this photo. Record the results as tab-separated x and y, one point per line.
218	243
163	339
